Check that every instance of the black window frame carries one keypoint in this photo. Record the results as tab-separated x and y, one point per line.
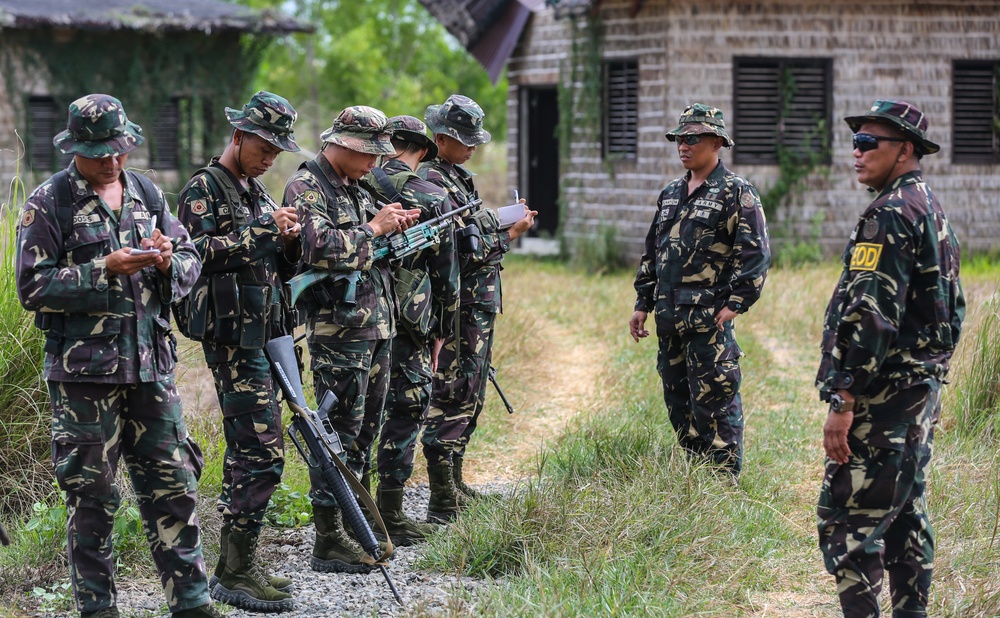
167	135
45	120
764	118
620	127
975	112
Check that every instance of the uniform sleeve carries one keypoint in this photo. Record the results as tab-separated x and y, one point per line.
325	242
185	263
198	208
751	249
645	277
875	299
44	285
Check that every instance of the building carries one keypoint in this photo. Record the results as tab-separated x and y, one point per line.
613	75
174	64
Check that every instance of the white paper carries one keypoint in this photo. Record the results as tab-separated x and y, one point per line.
509	215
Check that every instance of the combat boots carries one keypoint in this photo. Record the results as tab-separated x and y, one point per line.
202	611
108	612
460	484
402	530
446	501
243	584
334	551
282	584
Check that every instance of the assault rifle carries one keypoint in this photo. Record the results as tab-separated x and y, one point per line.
323	449
493	378
392	247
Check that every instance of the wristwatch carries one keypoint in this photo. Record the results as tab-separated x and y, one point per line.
839	405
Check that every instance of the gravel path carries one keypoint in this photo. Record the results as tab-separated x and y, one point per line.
317	595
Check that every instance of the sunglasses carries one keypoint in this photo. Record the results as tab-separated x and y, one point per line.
866	141
691	140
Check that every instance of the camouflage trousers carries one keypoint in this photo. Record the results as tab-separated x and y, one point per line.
701	387
358	374
95	425
251	422
405	410
458	390
872	512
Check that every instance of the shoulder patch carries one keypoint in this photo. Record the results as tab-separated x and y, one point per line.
870	229
311	197
865	256
28	218
747	200
199	207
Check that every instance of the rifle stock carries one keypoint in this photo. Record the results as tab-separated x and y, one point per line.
321	449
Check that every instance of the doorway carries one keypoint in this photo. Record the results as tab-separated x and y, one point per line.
538	156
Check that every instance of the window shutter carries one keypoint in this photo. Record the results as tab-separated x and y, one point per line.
45	120
165	137
757	113
622	108
974	110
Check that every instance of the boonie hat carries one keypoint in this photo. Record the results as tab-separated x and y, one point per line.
902	115
268	116
413	130
97	127
362	129
459	117
699	119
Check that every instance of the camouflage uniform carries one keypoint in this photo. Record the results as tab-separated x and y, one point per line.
348	343
890	329
459	385
703	252
243	240
109	364
426	315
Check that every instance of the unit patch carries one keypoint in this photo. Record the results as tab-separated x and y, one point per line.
747	200
870	229
865	256
311	197
199	207
29	217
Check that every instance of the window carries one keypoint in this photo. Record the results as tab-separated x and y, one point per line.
621	112
781	103
165	136
45	120
976	112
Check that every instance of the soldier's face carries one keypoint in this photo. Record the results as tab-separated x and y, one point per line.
256	154
452	150
874	167
701	155
351	163
101	172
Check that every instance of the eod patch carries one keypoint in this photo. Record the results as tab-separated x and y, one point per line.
865	256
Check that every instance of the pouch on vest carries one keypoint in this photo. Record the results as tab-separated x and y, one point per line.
226	298
413	289
256	307
191	312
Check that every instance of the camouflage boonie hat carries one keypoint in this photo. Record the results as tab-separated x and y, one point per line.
362	129
902	115
459	117
268	116
412	130
699	119
97	127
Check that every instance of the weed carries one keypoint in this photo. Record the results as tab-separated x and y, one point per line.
288	508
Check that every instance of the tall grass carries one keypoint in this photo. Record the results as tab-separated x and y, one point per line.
977	394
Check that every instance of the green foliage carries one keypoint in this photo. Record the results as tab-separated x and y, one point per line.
288	508
600	253
24	409
977	410
58	597
391	54
789	251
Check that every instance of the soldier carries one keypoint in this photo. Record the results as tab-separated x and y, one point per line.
110	354
459	384
705	261
248	246
891	327
427	290
349	321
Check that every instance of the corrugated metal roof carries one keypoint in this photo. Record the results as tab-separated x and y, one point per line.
147	15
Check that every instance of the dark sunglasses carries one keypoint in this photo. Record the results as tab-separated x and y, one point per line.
866	141
691	140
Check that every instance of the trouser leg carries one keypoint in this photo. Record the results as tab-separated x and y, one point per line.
406	408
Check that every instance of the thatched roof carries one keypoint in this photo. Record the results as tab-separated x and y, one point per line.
145	15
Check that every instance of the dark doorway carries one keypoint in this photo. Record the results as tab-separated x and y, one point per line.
538	156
